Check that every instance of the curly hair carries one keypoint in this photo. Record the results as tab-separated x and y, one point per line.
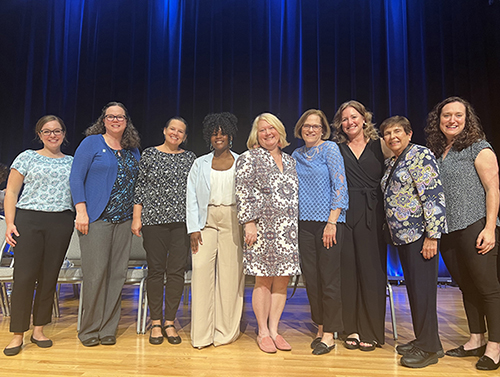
472	132
226	122
130	138
4	172
369	131
325	127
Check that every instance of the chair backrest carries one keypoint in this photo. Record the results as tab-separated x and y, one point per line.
137	254
74	254
3	228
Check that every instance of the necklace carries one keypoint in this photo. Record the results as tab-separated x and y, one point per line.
315	151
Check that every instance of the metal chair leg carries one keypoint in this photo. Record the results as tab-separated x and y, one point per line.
55	306
80	308
393	312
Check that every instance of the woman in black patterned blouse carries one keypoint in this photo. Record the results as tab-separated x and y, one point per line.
160	212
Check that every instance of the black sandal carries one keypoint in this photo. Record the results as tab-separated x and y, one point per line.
171	339
369	347
354	346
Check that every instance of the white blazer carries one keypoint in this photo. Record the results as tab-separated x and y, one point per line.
198	192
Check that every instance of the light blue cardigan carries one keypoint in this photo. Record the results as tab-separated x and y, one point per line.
198	192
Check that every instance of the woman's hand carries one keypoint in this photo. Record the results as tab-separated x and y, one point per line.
485	241
136	226
429	249
195	241
250	233
329	235
82	218
136	220
11	229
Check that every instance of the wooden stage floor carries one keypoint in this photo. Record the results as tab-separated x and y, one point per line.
134	356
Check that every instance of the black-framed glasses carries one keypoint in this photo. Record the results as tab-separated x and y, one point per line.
56	132
119	118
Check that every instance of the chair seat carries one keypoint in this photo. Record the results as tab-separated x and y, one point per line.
70	274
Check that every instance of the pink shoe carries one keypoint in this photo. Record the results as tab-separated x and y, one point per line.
282	344
266	344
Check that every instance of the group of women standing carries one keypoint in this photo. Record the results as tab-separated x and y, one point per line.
267	214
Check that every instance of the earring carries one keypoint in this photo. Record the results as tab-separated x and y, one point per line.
231	143
211	147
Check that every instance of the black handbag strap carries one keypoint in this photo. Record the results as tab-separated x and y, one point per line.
396	164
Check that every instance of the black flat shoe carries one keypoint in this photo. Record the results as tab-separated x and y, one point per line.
12	351
155	339
108	340
354	346
417	358
461	352
322	349
403	349
41	343
315	342
90	342
171	339
486	363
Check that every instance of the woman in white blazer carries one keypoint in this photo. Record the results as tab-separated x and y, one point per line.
217	281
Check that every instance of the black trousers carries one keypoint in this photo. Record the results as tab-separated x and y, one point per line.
38	255
476	275
167	249
364	275
321	269
421	284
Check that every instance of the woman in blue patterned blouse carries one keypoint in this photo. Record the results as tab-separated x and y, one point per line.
39	227
160	213
415	211
102	185
323	201
469	170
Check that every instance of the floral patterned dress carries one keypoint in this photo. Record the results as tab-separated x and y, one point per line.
270	198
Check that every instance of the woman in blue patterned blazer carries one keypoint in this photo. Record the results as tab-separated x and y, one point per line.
415	212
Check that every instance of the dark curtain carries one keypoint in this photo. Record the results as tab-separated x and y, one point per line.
192	57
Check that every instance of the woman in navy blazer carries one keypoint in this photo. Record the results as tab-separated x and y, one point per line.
216	241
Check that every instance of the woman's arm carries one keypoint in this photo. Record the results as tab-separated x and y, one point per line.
12	191
487	168
330	231
192	213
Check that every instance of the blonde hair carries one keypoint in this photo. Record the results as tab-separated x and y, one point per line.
253	140
325	127
369	131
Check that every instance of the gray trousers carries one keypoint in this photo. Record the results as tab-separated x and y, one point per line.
105	255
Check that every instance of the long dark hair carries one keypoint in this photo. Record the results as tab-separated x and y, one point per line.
130	138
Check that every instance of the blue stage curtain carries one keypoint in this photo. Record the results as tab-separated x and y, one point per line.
192	57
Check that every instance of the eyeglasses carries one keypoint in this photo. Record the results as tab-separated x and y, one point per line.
119	118
314	127
56	132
